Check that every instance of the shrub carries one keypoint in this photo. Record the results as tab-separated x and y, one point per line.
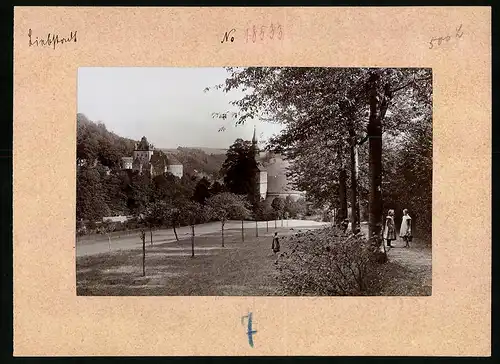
323	262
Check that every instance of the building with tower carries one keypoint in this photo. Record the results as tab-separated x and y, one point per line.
272	179
146	158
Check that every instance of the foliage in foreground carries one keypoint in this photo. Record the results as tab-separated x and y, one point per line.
324	262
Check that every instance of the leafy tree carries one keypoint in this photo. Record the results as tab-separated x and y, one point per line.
194	212
407	159
240	169
95	142
140	192
114	185
264	211
90	195
202	191
294	208
225	206
173	214
216	188
155	216
333	110
278	206
188	183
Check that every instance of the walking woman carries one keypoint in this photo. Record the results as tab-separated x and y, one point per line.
405	231
390	229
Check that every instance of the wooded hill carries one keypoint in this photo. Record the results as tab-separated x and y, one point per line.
104	189
95	142
198	162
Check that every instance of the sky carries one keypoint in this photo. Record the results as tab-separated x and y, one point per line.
167	105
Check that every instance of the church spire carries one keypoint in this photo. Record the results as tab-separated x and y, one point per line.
254	141
254	138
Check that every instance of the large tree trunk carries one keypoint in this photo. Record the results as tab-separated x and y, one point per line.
375	159
343	195
354	183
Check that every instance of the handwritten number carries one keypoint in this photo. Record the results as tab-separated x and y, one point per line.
254	32
440	40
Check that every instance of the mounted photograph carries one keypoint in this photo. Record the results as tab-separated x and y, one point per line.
254	181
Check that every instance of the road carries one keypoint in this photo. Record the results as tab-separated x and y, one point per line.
92	247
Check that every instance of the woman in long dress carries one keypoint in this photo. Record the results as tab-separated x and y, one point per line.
405	231
390	229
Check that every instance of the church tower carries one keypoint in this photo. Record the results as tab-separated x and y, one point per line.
261	171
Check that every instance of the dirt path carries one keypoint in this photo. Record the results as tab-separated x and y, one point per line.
87	246
409	270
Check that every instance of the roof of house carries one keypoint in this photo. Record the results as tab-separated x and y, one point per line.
261	168
277	181
172	160
158	159
137	162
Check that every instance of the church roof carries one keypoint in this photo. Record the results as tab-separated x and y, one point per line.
172	160
158	159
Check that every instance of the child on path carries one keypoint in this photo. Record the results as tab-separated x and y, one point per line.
276	244
389	230
405	231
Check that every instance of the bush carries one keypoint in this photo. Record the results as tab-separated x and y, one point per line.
323	262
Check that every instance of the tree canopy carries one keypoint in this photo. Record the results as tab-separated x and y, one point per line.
240	170
328	111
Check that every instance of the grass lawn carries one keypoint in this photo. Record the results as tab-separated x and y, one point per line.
239	269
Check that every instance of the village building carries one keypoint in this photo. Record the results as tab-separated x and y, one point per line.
147	158
272	179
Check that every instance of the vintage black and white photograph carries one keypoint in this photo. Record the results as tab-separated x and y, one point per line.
254	181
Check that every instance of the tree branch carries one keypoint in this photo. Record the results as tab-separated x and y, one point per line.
363	140
402	87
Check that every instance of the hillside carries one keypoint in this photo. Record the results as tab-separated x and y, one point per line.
95	142
196	161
